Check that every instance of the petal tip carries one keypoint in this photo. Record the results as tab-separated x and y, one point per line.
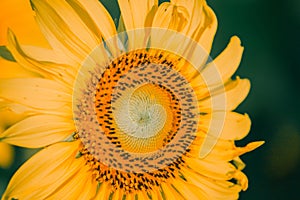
236	40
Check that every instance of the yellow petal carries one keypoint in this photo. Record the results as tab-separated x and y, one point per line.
169	192
61	12
18	111
45	172
134	12
155	194
170	16
45	54
253	145
6	155
130	196
77	41
13	70
59	47
205	34
47	69
98	19
134	15
189	191
103	191
81	186
227	98
238	163
35	92
215	169
195	10
213	188
222	125
8	117
150	16
38	131
192	18
223	67
180	44
98	14
226	125
218	154
18	16
117	195
142	195
242	179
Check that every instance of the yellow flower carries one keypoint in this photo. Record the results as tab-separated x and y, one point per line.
140	114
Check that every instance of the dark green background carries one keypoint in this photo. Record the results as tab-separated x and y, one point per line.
269	30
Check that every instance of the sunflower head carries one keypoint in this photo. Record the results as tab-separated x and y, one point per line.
141	112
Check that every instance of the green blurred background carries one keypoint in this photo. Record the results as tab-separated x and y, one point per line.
269	31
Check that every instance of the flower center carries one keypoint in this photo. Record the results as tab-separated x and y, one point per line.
137	118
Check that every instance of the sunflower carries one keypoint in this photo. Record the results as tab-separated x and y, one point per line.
134	112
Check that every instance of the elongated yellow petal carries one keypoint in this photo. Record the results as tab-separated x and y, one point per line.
182	45
192	18
63	13
60	48
130	196
102	20
242	179
58	30
43	68
45	172
80	186
134	12
18	16
103	191
97	18
45	54
35	92
189	191
13	70
142	195
218	154
226	125
238	163
155	194
235	92
171	17
169	192
225	64
117	195
134	15
38	131
205	33
218	170
215	189
20	111
195	10
8	117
